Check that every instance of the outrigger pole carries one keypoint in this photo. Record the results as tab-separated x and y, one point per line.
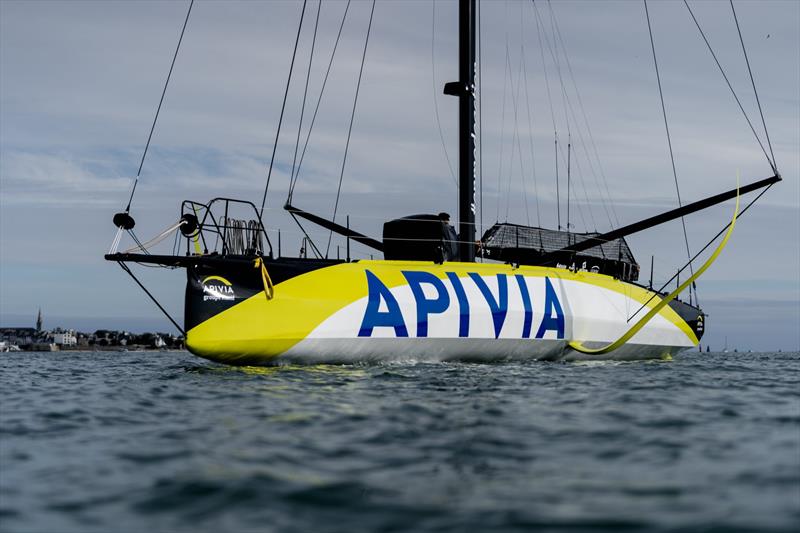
336	228
658	219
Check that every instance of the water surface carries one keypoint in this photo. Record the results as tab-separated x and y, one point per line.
163	441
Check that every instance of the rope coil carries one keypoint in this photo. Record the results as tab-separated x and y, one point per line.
243	237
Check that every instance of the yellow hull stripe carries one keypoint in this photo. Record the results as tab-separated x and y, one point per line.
217	278
258	327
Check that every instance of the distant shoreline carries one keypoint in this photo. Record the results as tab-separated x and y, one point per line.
46	348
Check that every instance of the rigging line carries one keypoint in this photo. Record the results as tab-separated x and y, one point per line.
283	108
175	244
735	96
308	237
435	100
138	242
669	139
115	242
714	238
514	135
579	173
575	161
586	123
305	93
145	265
530	139
753	82
539	30
480	127
578	205
524	181
558	199
566	101
582	143
559	149
502	134
567	106
350	128
569	176
523	176
158	110
316	109
128	270
155	240
518	146
557	63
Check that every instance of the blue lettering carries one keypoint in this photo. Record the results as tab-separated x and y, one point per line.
551	304
373	317
526	303
425	306
498	307
463	305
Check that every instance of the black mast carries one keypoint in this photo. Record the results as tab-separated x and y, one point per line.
465	90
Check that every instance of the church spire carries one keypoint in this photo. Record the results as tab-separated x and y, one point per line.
39	321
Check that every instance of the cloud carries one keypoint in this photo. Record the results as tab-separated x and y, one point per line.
55	179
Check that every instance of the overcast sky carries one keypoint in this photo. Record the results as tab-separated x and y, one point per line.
80	82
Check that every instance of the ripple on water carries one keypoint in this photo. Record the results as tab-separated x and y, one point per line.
132	442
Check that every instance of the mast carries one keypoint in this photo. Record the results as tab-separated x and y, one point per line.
464	89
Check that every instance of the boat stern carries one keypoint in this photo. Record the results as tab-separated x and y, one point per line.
213	293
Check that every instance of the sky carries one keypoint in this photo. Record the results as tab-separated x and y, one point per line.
80	83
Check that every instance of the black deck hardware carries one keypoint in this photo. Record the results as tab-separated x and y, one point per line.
124	221
526	245
336	228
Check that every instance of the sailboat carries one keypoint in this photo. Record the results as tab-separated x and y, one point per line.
517	292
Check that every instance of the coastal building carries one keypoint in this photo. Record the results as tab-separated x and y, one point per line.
39	339
18	336
65	337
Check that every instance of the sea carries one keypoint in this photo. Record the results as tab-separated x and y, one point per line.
166	442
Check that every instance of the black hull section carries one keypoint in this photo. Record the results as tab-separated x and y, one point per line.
692	315
215	286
